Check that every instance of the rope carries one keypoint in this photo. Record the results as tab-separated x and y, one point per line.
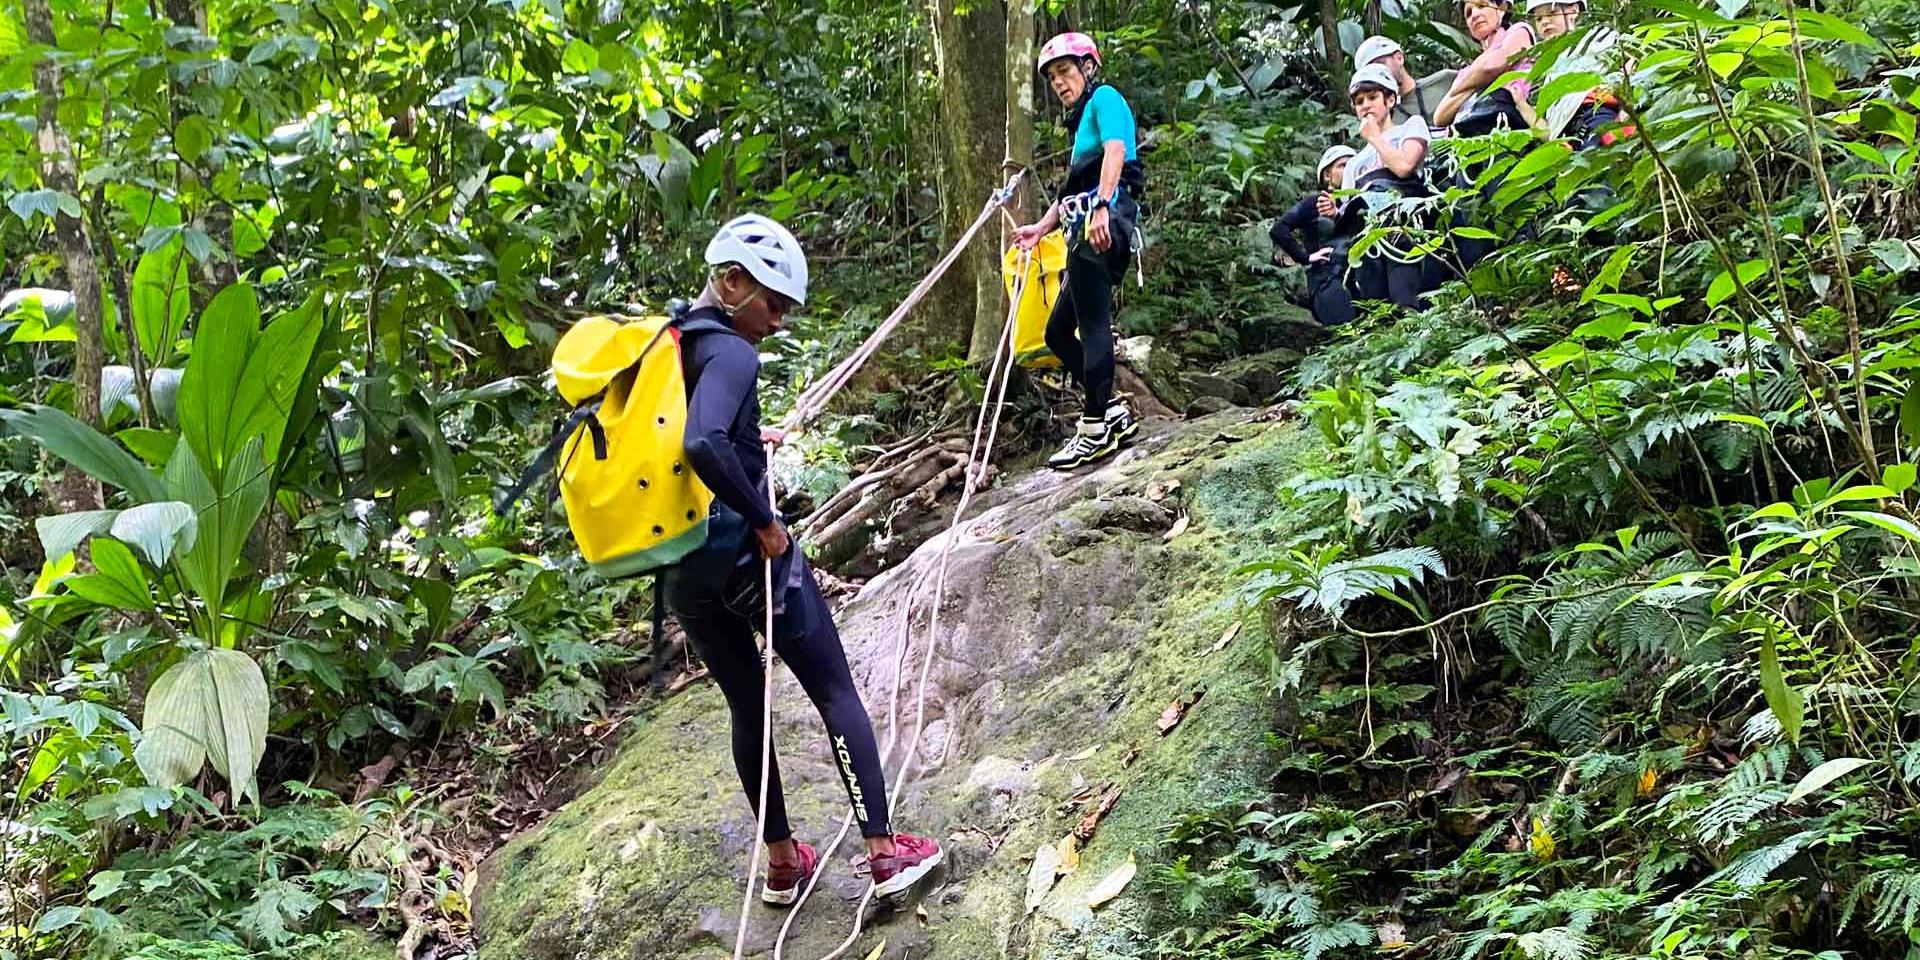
766	728
814	399
808	405
986	430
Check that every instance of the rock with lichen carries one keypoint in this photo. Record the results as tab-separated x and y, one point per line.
1078	607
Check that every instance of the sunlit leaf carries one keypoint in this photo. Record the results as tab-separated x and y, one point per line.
157	529
1782	698
94	453
212	705
1824	774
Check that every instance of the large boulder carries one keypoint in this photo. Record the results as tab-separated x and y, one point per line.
1079	657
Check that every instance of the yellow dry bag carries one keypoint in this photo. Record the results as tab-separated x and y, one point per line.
633	502
1042	290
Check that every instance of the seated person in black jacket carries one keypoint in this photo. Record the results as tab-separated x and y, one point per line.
1321	251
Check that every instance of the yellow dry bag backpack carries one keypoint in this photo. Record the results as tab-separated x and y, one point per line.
1041	291
633	502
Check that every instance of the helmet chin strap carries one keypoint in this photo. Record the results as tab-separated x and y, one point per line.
730	308
1086	81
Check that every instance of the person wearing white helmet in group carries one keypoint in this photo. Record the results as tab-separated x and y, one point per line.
1099	205
1418	98
1588	118
1389	166
759	274
1309	238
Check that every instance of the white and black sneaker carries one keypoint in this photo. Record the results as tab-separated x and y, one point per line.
1094	440
1120	420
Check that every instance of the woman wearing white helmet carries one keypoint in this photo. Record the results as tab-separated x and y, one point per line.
1320	252
1099	205
1388	167
759	274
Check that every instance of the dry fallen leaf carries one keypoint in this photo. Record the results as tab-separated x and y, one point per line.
1177	711
1160	489
1233	630
1069	848
1132	754
1084	754
1080	797
1179	527
921	912
878	949
1046	868
1096	813
1110	887
1541	842
1393	935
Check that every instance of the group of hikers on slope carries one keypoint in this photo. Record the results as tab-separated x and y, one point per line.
1400	116
759	273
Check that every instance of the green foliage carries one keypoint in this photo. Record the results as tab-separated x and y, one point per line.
1658	704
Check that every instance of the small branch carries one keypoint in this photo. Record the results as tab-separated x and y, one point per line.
1841	264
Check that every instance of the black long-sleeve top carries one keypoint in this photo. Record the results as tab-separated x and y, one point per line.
723	414
1303	219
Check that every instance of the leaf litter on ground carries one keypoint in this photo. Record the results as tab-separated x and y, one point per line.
1177	711
1112	884
1233	630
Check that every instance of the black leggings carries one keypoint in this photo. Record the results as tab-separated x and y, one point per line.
1328	297
1080	330
1381	277
805	638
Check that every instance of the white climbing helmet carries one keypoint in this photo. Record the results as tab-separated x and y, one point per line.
1373	48
764	249
1373	76
1333	155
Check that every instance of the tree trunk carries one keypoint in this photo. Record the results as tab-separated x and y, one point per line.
1018	138
1335	72
209	215
70	232
970	44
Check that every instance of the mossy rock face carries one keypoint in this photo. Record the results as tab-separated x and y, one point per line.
1078	608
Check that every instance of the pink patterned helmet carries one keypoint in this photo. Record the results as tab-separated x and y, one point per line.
1068	45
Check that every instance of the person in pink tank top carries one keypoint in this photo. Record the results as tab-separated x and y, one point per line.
1503	45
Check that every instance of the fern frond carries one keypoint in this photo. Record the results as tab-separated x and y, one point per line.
1755	867
1322	937
1896	899
1555	943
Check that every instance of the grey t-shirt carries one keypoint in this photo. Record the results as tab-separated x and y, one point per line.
1427	93
1368	160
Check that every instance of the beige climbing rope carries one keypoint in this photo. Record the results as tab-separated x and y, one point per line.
808	405
985	431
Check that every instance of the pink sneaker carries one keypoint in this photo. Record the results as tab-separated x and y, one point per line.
784	884
913	858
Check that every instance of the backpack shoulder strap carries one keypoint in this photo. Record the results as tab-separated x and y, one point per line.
704	325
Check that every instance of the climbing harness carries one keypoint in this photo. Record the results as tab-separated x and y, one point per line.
1076	212
808	405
